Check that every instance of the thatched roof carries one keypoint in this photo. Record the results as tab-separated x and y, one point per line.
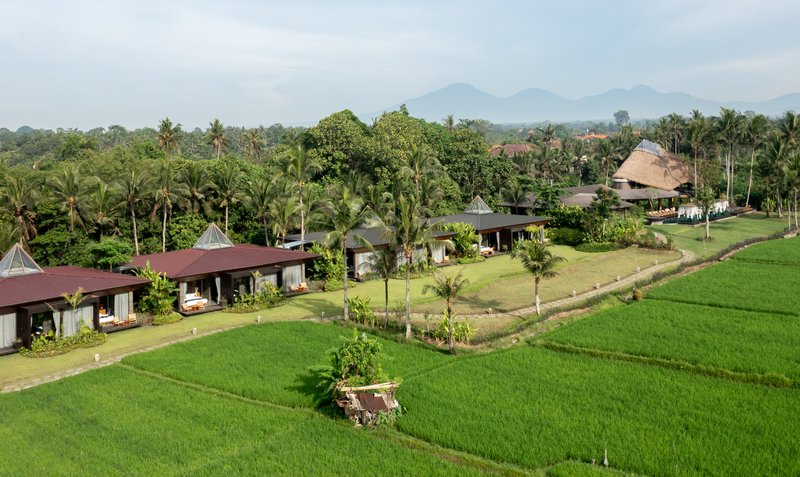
510	150
650	165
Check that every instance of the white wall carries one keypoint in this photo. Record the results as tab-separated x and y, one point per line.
8	329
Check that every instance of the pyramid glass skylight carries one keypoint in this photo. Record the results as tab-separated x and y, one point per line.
212	239
478	207
17	262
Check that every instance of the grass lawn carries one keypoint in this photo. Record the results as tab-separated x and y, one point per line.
535	407
269	362
738	284
739	341
115	421
723	233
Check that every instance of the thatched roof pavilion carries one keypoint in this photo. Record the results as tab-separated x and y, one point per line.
650	165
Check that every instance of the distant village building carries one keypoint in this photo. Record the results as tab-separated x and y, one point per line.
32	302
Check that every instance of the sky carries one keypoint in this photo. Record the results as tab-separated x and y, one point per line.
86	64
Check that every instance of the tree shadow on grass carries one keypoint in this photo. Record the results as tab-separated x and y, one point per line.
306	383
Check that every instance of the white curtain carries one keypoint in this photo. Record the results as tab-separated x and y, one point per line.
363	266
72	321
437	250
8	329
292	276
121	306
218	283
272	278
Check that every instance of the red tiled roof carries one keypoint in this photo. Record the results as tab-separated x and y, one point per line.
52	283
510	149
193	262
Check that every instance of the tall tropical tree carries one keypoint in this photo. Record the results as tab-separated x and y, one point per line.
102	207
253	143
216	136
791	171
260	194
134	187
515	194
606	154
168	135
283	212
699	134
19	199
409	232
539	261
418	164
300	168
776	152
755	132
341	213
196	183
226	185
165	195
790	129
383	264
69	187
705	199
447	287
729	126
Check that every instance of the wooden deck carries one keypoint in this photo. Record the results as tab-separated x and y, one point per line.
200	311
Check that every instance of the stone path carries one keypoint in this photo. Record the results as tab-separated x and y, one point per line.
604	288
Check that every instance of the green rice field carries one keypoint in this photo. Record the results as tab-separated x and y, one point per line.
785	251
736	284
735	340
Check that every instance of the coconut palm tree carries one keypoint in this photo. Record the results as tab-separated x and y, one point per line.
420	163
729	125
447	287
102	207
539	261
775	153
791	171
790	129
69	186
134	187
168	136
606	154
283	212
254	143
755	131
341	213
259	197
699	134
705	199
226	185
515	194
409	232
299	170
383	264
196	183
19	199
166	193
676	125
216	136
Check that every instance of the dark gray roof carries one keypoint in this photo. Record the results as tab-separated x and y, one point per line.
373	235
648	193
585	200
492	221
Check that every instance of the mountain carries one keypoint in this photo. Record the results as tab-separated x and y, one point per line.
642	102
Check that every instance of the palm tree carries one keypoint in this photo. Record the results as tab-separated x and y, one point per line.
775	154
165	195
790	128
216	136
226	184
699	134
341	213
419	163
447	287
408	231
282	213
606	155
383	264
102	207
756	131
515	194
134	188
299	170
253	143
168	136
449	123
539	261
69	186
259	198
729	127
705	200
19	198
791	171
676	124
196	183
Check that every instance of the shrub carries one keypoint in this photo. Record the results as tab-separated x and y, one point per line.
328	267
565	216
360	311
597	247
355	363
266	296
464	239
462	331
52	344
157	297
466	260
565	236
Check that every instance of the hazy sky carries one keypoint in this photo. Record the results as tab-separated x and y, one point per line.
95	63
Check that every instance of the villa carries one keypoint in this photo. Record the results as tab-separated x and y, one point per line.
652	174
214	272
32	302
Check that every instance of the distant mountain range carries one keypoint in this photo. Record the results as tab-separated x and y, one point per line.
531	105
